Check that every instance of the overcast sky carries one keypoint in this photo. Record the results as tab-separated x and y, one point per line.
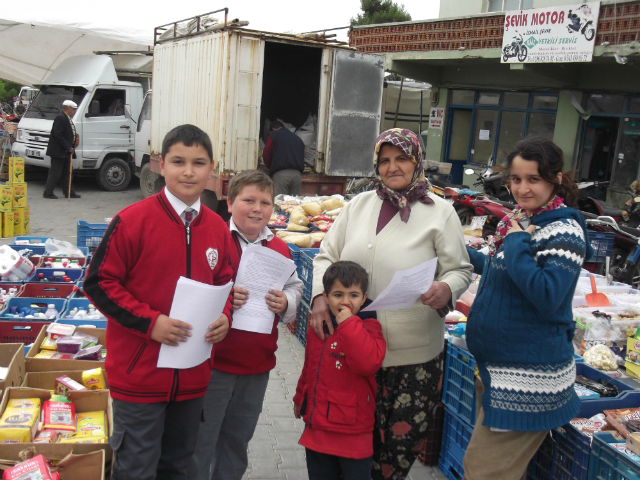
296	16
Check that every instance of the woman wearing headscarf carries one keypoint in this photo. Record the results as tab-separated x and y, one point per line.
396	227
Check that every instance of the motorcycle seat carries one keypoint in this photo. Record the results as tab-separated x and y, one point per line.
607	209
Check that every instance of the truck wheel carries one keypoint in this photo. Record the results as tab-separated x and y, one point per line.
114	175
149	183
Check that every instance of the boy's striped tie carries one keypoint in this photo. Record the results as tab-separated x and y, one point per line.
188	216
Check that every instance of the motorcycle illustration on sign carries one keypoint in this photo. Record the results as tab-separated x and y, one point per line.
516	48
582	23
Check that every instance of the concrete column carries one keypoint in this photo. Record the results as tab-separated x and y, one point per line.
435	143
566	130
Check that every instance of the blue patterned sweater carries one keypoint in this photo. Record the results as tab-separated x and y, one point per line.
520	327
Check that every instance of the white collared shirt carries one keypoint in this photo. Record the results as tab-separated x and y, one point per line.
179	206
292	288
73	127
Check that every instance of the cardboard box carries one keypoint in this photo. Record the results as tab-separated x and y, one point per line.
47	380
633	443
632	363
16	170
19	195
27	220
85	401
12	356
48	365
18	220
7	224
72	466
6	198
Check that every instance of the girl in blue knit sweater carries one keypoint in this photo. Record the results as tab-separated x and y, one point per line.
520	327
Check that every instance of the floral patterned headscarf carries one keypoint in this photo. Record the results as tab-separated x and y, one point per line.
418	188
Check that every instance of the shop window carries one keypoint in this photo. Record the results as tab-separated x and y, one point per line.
107	103
515	100
605	103
462	97
484	135
506	5
634	105
541	125
511	132
545	102
489	98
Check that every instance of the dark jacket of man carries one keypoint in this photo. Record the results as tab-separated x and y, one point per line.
288	151
61	140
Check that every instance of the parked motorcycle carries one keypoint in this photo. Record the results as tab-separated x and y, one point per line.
576	26
470	205
516	48
629	215
493	183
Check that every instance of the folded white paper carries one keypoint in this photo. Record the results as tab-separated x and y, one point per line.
199	305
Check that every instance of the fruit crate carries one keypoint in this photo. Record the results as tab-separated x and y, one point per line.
303	319
430	453
456	435
608	463
90	234
459	390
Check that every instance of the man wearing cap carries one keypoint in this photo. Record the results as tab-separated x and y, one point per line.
61	146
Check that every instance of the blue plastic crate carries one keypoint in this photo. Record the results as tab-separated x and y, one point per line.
596	405
459	388
607	463
79	293
90	234
296	255
36	249
20	302
303	318
73	274
602	244
456	435
308	255
80	303
31	239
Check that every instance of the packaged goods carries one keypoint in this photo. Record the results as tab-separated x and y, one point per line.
331	204
287	233
18	423
60	356
584	393
19	195
312	208
605	390
59	416
624	420
317	236
18	220
302	241
295	227
27	220
601	357
48	344
12	264
6	198
70	344
46	436
589	426
93	379
633	442
24	403
298	217
622	448
632	360
89	353
92	424
32	469
16	170
64	385
45	354
83	439
57	330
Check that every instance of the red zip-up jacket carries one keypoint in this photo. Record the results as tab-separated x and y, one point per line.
132	279
337	388
242	352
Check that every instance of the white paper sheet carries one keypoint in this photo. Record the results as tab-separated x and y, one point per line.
261	269
405	288
199	305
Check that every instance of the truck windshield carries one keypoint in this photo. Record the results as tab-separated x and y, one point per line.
48	103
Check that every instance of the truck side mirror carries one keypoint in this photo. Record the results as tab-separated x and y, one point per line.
127	111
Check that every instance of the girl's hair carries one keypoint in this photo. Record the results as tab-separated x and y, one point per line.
550	162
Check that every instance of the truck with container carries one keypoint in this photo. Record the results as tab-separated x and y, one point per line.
25	96
104	120
232	81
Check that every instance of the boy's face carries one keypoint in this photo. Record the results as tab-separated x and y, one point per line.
186	171
340	296
251	210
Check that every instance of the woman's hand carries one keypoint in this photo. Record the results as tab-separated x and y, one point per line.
438	296
515	227
320	317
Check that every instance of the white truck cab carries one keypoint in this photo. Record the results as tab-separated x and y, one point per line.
26	96
104	121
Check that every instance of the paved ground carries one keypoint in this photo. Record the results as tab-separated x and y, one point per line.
274	452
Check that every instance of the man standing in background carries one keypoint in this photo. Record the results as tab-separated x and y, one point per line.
284	156
61	146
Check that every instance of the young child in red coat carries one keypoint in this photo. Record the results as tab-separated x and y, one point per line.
336	394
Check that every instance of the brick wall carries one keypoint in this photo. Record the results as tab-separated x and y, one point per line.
618	24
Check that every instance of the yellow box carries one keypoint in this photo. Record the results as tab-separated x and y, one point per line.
16	169
18	221
7	224
6	198
27	220
19	195
633	358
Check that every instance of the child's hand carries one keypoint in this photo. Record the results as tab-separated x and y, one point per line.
344	314
240	297
296	411
170	331
218	330
277	301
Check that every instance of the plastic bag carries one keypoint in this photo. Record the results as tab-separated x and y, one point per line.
55	247
601	357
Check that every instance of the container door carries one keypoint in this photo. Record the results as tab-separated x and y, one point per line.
248	96
354	113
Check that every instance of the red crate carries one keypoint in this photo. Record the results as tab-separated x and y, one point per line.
20	332
45	290
430	453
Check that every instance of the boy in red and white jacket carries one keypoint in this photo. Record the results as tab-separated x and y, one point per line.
336	394
132	278
243	360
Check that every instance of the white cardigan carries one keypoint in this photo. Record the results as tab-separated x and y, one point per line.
414	335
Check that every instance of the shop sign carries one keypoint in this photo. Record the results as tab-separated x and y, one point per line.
436	117
550	35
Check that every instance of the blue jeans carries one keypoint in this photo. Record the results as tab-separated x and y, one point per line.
322	466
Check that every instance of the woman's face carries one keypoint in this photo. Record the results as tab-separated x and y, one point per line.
395	167
529	189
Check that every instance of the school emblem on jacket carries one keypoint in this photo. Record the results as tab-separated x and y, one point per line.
212	257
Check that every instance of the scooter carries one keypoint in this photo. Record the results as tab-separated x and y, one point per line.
493	183
470	205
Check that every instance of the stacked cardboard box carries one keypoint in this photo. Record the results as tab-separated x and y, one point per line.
13	201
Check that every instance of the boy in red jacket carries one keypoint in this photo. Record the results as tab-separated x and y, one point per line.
336	394
243	360
147	247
